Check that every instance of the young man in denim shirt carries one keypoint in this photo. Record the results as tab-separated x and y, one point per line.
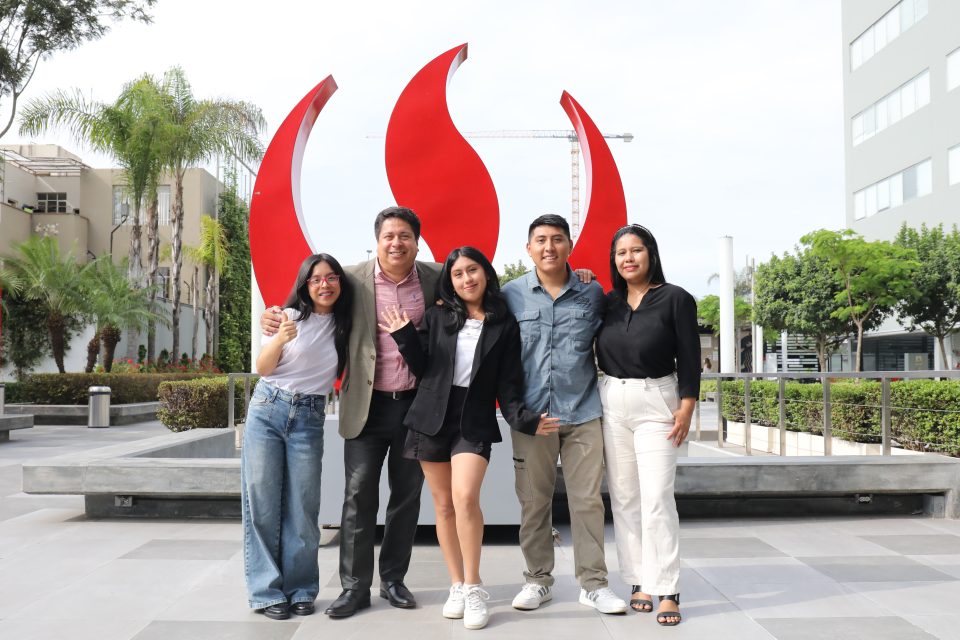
559	317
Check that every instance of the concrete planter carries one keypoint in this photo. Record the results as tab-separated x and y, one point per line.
61	414
800	443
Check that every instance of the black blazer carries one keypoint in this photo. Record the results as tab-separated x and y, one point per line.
497	375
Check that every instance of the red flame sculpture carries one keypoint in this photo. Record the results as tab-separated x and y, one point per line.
605	203
278	237
434	171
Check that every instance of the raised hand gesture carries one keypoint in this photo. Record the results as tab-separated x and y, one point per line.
394	319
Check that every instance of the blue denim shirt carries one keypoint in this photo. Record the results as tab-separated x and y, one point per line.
557	344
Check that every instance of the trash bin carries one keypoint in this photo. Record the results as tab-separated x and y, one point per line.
99	408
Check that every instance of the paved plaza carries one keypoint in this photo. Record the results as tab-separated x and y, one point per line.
65	576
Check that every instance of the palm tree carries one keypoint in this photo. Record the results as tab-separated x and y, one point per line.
212	254
53	281
115	305
128	130
195	131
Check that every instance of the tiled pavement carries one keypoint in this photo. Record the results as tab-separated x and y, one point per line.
63	576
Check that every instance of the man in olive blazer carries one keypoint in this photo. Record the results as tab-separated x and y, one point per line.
357	387
376	393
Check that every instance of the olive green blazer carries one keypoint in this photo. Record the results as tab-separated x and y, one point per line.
357	386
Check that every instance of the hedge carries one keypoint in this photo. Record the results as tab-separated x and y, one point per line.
200	403
925	414
73	388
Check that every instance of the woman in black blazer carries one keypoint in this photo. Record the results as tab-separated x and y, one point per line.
467	357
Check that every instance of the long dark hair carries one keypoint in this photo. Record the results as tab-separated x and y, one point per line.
299	299
656	269
493	302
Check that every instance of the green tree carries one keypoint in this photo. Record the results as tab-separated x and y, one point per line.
115	305
873	276
26	341
797	294
127	129
933	302
708	312
31	30
55	283
195	131
233	320
212	254
513	271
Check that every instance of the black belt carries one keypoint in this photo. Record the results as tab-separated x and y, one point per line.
395	395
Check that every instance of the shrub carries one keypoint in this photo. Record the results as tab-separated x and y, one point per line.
12	392
200	403
73	388
925	414
707	386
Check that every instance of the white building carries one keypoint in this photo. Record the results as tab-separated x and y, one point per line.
901	88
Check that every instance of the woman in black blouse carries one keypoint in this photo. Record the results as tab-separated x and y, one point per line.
649	351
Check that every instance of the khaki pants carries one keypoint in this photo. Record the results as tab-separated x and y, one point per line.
580	448
641	470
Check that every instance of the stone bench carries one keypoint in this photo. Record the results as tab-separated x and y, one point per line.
197	473
10	423
67	414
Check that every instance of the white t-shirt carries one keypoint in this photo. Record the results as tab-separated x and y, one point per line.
308	363
467	341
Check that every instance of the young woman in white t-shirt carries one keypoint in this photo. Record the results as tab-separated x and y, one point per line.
283	441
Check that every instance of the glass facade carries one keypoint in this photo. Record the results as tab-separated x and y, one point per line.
888	28
891	192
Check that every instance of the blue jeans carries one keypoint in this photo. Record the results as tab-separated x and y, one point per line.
280	489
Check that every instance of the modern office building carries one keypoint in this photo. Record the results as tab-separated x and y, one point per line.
901	88
46	190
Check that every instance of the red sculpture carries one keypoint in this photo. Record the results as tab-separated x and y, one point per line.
278	237
605	203
433	170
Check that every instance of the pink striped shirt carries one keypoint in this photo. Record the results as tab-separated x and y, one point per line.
391	372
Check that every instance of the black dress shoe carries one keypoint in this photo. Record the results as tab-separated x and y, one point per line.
398	594
349	602
302	608
277	611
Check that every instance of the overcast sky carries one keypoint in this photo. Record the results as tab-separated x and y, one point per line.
735	105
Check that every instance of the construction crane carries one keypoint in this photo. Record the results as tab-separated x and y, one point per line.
570	135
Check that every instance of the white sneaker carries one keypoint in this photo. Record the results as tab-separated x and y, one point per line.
532	596
475	614
603	600
453	607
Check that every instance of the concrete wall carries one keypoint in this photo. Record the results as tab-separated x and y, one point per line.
14	228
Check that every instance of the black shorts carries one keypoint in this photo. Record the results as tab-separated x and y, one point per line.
449	441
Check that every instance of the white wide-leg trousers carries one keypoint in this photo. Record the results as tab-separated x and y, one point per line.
641	468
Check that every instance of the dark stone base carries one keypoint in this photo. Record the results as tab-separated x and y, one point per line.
162	507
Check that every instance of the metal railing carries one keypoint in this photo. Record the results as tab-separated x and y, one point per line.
886	410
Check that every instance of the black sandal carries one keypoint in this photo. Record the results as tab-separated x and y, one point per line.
663	617
638	604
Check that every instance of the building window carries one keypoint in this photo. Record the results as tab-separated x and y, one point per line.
51	203
123	206
911	183
912	95
888	28
953	161
953	70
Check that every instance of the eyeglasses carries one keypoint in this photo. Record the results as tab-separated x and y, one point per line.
330	279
